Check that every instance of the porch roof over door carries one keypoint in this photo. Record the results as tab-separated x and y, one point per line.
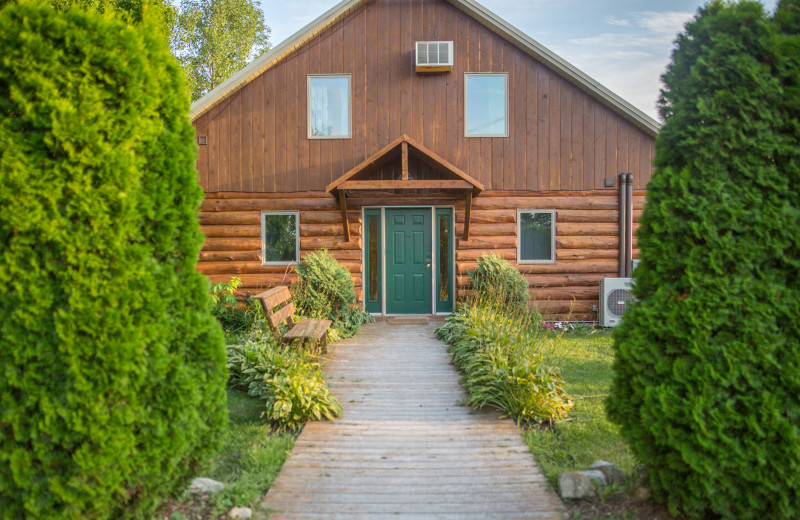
453	178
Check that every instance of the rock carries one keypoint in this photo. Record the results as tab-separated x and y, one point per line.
641	493
613	474
580	484
240	513
202	485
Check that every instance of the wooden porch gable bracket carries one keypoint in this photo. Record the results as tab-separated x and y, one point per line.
347	181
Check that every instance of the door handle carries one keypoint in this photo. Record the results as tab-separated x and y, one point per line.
427	266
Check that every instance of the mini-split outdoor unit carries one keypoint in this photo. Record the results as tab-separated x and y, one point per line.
615	298
434	56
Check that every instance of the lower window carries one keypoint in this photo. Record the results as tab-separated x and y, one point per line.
536	236
280	237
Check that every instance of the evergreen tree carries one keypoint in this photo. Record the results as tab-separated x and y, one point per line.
707	376
111	366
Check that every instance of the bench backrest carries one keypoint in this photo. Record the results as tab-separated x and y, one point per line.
278	307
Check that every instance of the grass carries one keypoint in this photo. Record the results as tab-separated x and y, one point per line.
587	435
251	456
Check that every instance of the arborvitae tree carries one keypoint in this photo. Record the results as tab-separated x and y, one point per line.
111	366
707	376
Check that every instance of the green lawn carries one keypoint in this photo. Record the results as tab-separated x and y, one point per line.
575	443
251	456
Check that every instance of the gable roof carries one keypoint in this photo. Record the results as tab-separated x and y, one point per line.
404	144
473	9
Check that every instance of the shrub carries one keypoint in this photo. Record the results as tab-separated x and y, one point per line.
112	375
289	380
325	290
234	316
707	376
500	357
495	280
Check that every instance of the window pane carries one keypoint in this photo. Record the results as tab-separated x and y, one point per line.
536	236
444	260
330	106
486	105
280	236
372	223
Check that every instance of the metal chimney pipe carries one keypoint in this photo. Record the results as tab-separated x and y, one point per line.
628	224
623	205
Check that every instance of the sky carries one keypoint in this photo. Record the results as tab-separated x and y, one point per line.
624	44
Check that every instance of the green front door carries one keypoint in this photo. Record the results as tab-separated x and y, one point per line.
408	261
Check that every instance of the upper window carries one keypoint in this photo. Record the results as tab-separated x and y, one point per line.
279	237
329	106
536	236
486	109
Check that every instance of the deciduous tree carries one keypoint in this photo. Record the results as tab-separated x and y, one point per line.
216	38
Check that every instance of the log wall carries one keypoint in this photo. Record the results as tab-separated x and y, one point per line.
586	239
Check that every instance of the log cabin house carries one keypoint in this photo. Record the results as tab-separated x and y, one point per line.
408	137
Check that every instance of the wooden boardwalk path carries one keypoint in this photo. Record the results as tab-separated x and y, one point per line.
405	446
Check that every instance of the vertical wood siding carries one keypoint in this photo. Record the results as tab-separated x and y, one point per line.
560	138
586	239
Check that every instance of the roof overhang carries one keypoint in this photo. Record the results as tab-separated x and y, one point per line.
403	146
530	46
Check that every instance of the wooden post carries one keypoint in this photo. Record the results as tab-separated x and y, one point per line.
345	223
404	150
467	211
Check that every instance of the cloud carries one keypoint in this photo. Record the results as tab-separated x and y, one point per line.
669	23
613	20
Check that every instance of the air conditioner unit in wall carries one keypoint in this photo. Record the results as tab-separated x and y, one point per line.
615	298
434	56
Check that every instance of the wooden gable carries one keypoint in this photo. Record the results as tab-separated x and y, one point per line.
560	137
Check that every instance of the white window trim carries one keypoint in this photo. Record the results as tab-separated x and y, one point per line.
309	77
552	214
466	103
264	238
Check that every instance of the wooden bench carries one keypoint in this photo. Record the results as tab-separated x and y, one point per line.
278	307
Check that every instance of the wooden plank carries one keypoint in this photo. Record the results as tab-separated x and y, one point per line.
442	184
343	209
274	297
565	139
588	145
404	159
577	140
279	316
467	212
554	165
454	462
543	131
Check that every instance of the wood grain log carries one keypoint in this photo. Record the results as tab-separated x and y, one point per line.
586	242
593	229
471	255
565	293
228	230
564	307
329	230
488	230
328	217
565	267
493	216
257	195
333	242
265	281
487	243
585	254
230	218
238	268
586	215
232	256
551	202
232	244
564	280
267	204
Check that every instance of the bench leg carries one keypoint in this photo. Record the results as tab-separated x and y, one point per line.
324	343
